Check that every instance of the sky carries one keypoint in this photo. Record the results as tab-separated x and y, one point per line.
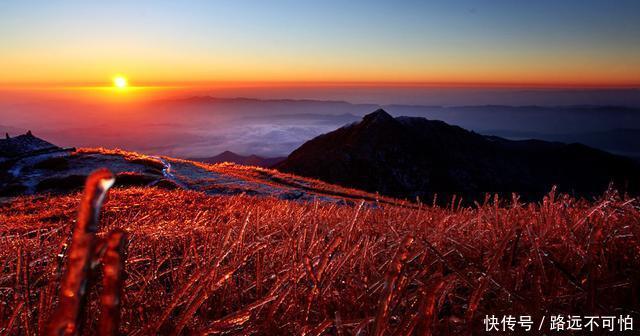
570	43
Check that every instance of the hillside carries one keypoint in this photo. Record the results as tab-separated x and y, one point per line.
231	249
410	156
23	145
201	264
64	170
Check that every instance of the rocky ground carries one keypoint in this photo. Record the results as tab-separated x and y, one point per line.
63	171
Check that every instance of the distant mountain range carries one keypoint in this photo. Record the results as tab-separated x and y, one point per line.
606	127
622	141
202	126
247	160
412	156
543	119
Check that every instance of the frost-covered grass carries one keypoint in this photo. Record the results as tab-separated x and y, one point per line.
242	264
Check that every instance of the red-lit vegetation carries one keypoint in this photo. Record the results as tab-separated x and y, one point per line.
199	264
241	173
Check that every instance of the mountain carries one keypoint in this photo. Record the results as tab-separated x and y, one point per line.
24	144
412	156
249	160
622	141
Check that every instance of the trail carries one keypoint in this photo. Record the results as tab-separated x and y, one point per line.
168	174
26	176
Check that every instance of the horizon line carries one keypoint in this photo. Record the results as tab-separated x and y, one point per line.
62	85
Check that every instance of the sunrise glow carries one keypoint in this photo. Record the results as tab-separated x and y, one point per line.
120	82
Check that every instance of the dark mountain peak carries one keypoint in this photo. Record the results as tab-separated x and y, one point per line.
377	116
410	156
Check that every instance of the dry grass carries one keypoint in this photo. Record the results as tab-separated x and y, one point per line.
127	155
265	175
251	174
240	264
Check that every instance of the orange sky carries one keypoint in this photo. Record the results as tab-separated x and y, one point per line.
199	70
546	44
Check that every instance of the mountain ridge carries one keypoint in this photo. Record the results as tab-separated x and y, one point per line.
417	157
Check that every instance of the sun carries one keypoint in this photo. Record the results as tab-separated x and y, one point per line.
120	82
